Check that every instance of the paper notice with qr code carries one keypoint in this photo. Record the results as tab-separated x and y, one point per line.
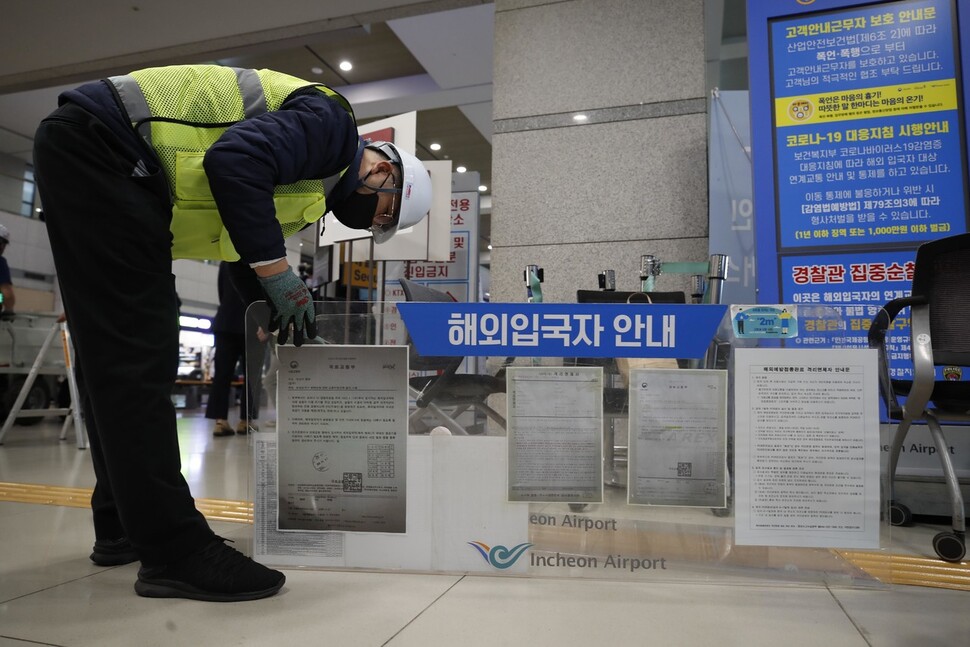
342	425
555	427
678	437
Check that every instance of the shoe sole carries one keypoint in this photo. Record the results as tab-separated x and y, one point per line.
119	559
175	589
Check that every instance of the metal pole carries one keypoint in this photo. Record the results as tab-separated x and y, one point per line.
649	269
607	280
697	286
716	275
80	431
350	273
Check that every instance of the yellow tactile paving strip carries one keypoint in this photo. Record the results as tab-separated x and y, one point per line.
882	566
906	569
215	509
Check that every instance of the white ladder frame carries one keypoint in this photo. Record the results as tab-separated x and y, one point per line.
72	413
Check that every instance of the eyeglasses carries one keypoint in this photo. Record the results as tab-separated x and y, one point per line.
384	220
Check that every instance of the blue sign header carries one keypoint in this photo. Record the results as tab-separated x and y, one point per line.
562	329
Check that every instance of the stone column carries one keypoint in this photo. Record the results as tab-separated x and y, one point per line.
578	197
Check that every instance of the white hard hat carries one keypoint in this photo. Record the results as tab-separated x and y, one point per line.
415	198
4	233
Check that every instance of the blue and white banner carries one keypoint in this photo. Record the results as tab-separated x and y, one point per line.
562	329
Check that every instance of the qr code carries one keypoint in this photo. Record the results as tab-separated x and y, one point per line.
683	469
353	482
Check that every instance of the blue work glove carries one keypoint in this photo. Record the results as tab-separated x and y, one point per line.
290	305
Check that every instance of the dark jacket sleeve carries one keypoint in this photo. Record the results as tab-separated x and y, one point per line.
309	137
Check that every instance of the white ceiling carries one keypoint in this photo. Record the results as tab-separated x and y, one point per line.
429	56
50	45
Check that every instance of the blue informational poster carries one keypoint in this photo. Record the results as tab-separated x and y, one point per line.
855	284
859	153
867	145
867	127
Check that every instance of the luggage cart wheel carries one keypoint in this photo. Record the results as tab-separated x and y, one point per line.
899	514
950	546
39	397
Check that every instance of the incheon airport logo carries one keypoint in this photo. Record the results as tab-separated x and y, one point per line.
499	556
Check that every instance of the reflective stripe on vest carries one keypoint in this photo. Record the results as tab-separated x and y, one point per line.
250	88
254	101
135	105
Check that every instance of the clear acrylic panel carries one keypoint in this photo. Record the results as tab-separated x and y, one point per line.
459	517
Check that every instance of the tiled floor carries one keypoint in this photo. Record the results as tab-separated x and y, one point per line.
50	594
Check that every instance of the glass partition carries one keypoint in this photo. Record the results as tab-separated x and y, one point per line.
521	465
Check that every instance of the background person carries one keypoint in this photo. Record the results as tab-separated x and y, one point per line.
205	162
6	284
230	332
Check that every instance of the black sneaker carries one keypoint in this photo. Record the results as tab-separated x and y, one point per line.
217	573
113	552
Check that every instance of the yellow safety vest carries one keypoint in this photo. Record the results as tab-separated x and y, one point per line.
180	111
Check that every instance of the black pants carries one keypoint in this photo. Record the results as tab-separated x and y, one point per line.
109	234
230	349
